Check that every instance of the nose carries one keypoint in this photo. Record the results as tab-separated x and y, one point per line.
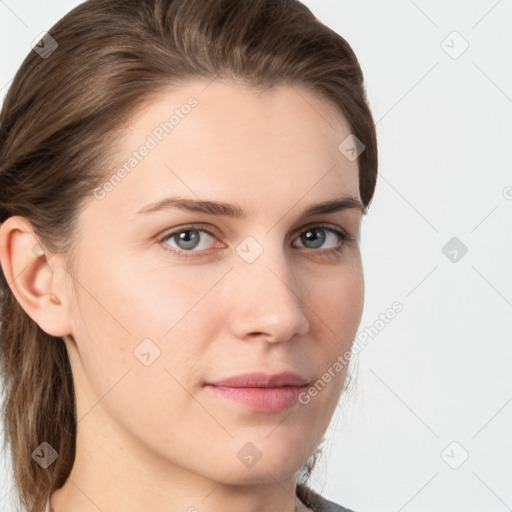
266	300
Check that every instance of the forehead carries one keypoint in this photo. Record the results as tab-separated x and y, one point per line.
227	141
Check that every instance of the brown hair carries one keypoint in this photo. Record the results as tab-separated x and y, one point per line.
57	132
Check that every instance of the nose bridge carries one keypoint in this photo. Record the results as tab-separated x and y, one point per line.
270	300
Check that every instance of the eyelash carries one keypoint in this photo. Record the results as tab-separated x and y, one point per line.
190	254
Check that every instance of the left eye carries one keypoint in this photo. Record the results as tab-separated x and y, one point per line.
188	239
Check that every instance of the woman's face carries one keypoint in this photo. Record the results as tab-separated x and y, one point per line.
159	315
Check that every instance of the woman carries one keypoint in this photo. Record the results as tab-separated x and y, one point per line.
181	191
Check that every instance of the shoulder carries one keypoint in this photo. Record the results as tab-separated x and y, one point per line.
316	502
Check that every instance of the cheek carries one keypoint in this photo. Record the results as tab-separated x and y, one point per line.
141	345
144	321
337	302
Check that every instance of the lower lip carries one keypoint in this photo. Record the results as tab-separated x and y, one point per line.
262	399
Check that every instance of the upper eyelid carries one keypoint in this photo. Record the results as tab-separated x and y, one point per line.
211	229
343	235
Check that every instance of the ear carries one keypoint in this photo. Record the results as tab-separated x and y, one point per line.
33	281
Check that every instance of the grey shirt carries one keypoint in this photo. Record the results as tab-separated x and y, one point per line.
316	502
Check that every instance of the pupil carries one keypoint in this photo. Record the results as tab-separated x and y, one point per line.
190	241
319	239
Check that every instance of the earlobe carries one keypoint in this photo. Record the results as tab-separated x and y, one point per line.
30	277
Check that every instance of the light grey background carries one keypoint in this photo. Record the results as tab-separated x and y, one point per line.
433	385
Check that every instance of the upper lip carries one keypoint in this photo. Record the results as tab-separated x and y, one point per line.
262	380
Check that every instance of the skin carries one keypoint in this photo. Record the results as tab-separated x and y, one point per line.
153	437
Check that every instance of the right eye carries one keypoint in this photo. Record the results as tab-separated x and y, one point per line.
188	238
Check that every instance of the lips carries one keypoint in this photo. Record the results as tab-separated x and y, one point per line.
262	380
260	391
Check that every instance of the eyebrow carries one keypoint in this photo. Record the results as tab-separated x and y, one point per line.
235	211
